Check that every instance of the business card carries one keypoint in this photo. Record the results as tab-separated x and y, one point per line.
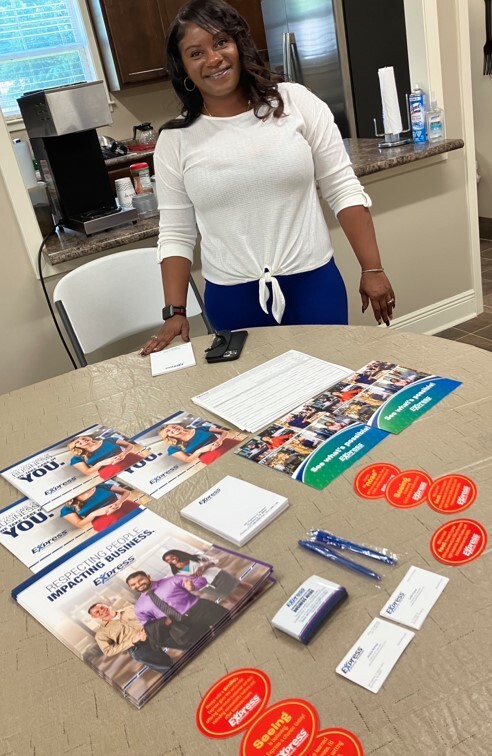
373	656
415	596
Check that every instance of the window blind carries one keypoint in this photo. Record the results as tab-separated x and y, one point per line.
43	44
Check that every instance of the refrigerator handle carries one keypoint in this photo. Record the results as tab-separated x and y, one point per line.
295	62
286	58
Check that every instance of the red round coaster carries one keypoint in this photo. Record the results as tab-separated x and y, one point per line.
371	482
458	542
334	741
288	726
452	493
408	489
230	705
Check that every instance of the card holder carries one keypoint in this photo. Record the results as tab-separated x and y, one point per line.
226	346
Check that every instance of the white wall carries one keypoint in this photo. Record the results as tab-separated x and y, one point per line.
482	106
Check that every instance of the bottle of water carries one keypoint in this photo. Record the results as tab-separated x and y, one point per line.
416	103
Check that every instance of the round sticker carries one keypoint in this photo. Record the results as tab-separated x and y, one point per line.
408	489
371	482
288	726
452	493
335	741
233	702
458	541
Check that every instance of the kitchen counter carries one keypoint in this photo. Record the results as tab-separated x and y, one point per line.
366	157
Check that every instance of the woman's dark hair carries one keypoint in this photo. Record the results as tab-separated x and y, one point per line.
183	556
258	82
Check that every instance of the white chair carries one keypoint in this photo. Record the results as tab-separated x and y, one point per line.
114	297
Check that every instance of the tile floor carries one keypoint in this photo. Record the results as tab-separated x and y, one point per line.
478	331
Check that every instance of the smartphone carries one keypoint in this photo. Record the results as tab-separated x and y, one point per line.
226	346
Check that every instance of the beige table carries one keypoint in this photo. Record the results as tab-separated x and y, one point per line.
437	699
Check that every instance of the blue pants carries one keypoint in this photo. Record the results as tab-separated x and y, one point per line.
317	297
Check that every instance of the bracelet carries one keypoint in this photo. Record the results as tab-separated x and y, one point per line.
372	270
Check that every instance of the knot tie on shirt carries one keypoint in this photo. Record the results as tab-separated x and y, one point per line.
278	299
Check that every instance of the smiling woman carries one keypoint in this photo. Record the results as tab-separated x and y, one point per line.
241	163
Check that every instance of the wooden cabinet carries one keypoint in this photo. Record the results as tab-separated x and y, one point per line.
131	36
250	10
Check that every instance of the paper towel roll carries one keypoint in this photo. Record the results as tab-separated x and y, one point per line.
24	159
389	99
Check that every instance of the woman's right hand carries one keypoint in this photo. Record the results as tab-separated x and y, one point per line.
108	509
178	325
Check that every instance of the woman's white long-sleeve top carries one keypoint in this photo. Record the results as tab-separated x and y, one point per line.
250	187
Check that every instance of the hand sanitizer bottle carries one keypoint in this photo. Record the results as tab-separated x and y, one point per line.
435	122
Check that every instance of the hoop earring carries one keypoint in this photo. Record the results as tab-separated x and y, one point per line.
188	89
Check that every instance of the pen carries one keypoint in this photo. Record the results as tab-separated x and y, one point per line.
331	539
326	552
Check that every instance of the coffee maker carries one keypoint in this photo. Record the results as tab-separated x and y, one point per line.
61	124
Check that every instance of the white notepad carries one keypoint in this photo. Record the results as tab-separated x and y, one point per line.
171	359
235	509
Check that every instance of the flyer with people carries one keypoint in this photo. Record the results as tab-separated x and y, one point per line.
37	537
388	396
74	465
323	437
177	448
139	600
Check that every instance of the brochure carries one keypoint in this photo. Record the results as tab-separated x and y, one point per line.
387	396
74	465
325	435
37	537
177	448
235	509
310	445
139	600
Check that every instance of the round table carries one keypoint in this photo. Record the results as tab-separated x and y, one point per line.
437	698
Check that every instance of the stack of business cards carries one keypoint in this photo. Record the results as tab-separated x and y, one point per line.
235	510
309	607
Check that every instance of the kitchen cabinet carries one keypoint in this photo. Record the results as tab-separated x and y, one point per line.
250	10
131	36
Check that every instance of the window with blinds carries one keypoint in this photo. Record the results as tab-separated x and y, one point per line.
43	44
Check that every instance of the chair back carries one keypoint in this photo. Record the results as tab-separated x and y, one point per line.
113	297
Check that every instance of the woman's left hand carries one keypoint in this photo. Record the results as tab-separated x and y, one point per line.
376	289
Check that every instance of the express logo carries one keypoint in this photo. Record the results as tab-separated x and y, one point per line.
394	605
350	662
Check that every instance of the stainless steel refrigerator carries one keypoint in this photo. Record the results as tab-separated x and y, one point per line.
335	47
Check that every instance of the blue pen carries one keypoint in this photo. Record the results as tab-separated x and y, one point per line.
323	536
328	553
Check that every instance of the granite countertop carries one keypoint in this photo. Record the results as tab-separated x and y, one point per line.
368	158
365	154
133	156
